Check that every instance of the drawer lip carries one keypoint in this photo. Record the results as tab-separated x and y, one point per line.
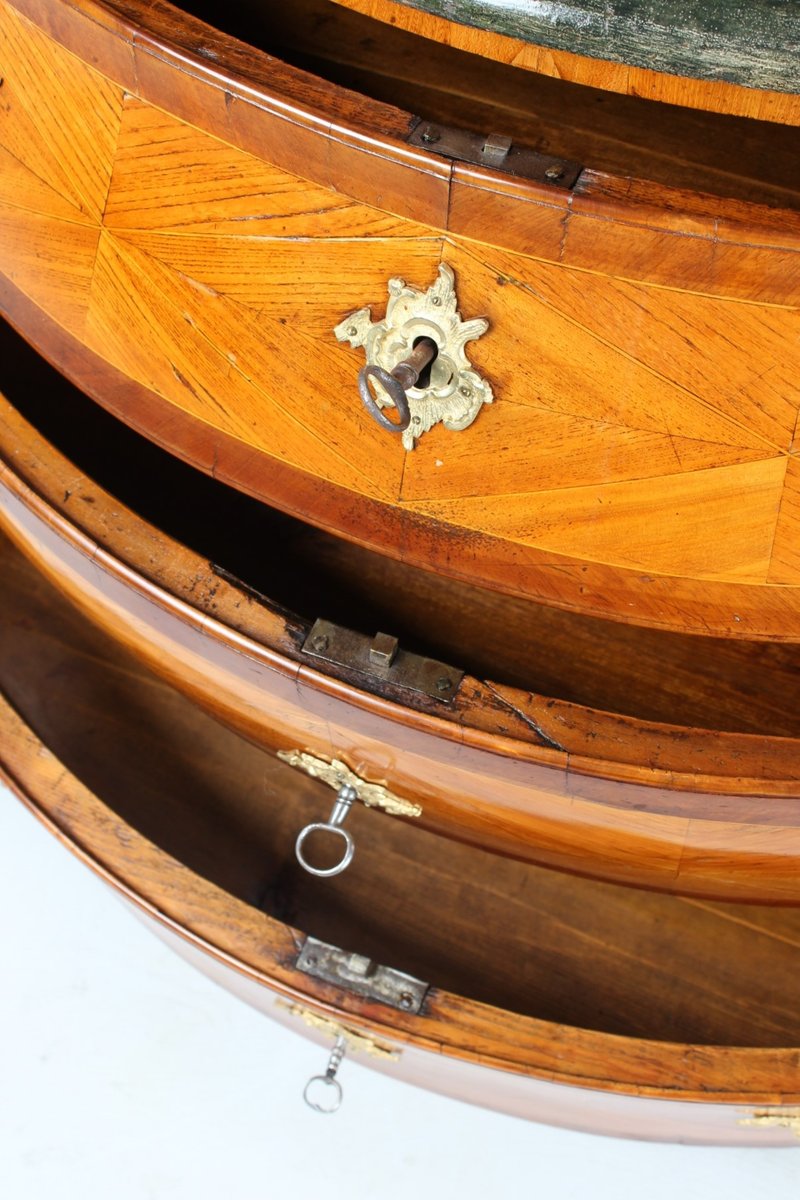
261	948
134	43
655	828
670	603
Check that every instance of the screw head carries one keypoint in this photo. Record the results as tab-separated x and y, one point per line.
430	136
406	1000
554	172
465	391
443	684
320	642
436	301
352	331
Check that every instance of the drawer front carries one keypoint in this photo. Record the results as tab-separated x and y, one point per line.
643	363
493	791
518	1095
530	1068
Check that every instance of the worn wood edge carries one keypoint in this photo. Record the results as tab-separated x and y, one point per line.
266	644
232	933
703	607
275	90
714	95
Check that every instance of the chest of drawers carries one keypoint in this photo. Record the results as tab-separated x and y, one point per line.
599	570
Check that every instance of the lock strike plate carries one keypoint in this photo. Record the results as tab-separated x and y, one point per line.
361	975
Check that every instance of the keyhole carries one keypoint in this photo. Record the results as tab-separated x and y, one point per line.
424	379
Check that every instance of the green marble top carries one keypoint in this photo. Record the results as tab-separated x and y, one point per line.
755	43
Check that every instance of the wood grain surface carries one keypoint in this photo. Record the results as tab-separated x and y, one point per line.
624	992
575	742
705	56
642	347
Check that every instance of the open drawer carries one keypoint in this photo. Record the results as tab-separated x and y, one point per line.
579	1003
604	749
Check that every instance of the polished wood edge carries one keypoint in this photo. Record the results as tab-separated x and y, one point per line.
714	95
662	602
263	949
164	56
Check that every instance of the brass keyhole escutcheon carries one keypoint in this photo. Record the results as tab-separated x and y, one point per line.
416	360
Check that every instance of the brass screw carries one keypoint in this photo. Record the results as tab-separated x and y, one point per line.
554	172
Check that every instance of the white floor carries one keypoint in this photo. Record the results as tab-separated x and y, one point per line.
126	1075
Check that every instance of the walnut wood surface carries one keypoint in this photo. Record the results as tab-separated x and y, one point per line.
526	773
642	442
587	984
664	60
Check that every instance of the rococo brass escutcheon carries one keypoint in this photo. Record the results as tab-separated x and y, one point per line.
416	359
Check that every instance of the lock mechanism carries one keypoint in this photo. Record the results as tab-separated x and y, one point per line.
416	359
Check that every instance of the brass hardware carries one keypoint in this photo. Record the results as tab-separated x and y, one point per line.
362	975
337	775
788	1118
453	393
358	1043
348	788
496	151
380	660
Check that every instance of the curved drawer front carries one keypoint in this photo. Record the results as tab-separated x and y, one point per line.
636	460
201	849
520	1095
699	812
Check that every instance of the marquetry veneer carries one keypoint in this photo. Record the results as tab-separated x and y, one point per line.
184	219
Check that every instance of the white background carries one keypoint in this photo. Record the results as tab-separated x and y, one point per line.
126	1075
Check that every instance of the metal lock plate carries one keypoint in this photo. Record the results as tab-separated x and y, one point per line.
497	151
362	976
380	658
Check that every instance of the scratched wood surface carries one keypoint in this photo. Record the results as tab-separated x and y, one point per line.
624	753
735	58
642	440
585	983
